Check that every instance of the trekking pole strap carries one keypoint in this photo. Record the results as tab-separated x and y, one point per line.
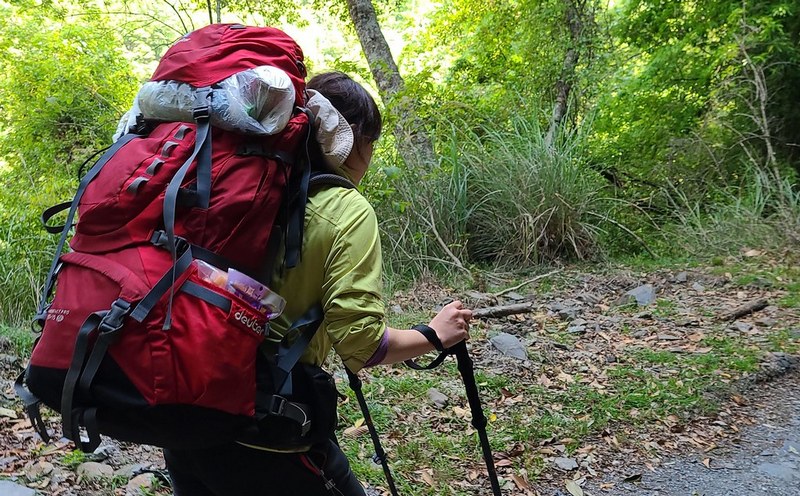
433	338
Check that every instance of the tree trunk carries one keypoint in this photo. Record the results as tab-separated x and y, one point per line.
575	11
413	143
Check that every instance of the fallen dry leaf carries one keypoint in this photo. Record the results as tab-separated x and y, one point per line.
573	488
520	482
427	477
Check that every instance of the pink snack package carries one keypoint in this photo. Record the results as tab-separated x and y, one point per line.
256	294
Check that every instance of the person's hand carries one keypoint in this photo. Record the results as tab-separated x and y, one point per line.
452	323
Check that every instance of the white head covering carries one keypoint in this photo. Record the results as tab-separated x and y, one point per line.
333	132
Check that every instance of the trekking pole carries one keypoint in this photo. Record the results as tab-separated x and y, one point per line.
467	371
465	367
380	454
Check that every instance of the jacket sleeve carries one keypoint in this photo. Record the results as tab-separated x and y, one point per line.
352	286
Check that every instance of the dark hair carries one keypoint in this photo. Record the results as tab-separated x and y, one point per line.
352	101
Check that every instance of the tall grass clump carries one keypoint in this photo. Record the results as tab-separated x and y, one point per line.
499	196
423	213
534	202
762	212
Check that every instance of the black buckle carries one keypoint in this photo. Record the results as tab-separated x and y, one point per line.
37	324
113	320
277	405
160	239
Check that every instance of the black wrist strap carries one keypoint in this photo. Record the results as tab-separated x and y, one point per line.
430	335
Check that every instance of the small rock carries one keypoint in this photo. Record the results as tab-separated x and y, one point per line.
563	310
39	469
8	413
139	485
566	463
578	322
8	488
475	295
438	398
644	294
668	337
576	329
682	277
742	326
698	287
514	296
611	358
509	345
102	452
128	470
94	470
396	309
766	322
640	334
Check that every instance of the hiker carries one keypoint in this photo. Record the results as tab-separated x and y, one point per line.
340	268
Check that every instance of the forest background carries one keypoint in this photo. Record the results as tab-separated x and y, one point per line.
520	135
518	132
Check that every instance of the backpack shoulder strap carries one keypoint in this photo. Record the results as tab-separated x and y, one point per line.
319	178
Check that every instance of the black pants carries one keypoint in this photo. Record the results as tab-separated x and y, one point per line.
236	470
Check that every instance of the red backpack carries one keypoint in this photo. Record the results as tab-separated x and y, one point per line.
136	345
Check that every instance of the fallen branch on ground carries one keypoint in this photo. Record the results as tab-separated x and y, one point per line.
502	310
746	309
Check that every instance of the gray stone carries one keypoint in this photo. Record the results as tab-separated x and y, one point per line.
668	337
514	296
698	287
579	329
578	322
438	398
509	345
644	294
682	277
39	469
766	322
742	326
8	488
640	334
139	485
94	470
566	463
129	469
396	309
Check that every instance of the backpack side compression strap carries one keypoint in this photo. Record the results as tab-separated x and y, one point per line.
73	207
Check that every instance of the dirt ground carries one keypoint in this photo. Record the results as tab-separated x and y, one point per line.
750	448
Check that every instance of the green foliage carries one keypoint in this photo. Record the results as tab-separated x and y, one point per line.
21	339
762	212
64	85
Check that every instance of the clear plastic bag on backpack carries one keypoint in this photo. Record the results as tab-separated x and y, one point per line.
256	101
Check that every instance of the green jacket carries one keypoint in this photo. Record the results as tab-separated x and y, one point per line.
340	267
